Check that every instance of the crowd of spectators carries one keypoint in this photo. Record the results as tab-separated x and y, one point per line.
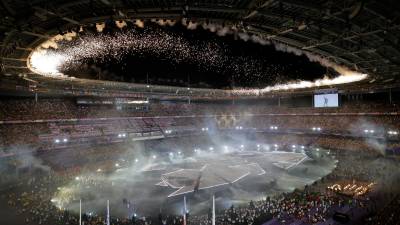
45	133
359	158
67	108
32	198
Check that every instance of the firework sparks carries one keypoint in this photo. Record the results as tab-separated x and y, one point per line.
65	52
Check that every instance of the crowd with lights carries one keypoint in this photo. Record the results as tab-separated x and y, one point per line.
313	204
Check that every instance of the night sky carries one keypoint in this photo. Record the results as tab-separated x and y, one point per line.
175	55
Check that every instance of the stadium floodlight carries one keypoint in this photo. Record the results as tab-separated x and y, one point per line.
369	131
57	141
316	128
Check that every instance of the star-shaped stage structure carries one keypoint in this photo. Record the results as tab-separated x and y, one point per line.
230	169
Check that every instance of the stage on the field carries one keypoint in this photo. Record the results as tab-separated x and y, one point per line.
159	184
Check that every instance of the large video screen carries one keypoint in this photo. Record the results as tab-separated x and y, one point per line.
326	100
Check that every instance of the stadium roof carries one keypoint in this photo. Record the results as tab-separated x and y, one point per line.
362	35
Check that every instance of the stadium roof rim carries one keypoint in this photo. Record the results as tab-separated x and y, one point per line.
360	35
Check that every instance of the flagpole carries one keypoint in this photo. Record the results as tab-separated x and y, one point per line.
213	210
108	212
184	209
80	211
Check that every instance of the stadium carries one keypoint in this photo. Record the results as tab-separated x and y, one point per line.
219	112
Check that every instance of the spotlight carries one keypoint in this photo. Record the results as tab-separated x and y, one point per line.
273	128
100	27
